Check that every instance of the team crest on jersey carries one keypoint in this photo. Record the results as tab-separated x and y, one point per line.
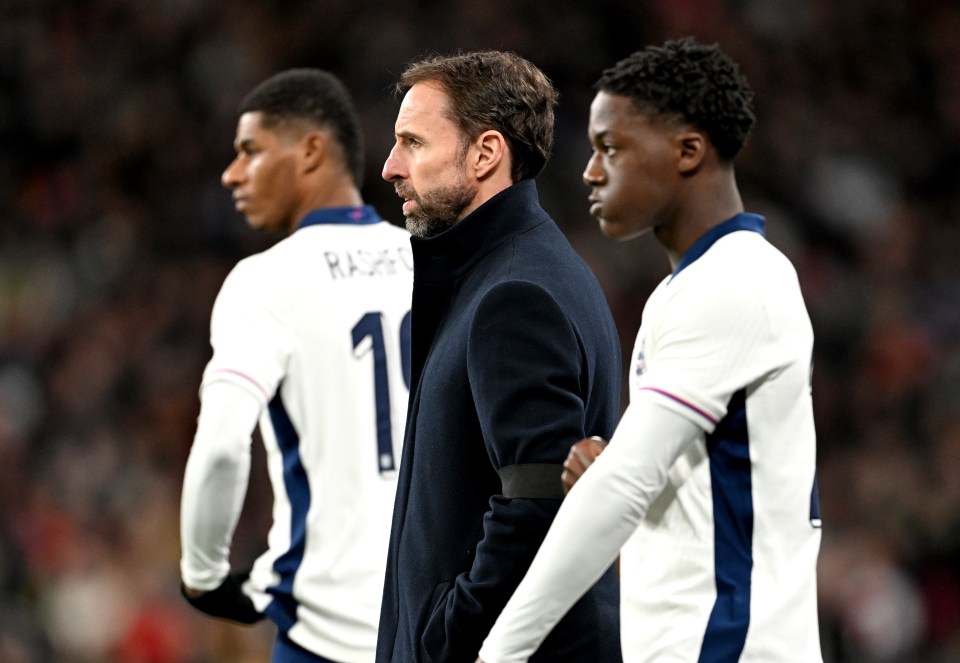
640	365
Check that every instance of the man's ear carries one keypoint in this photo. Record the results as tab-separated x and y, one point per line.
313	150
692	149
490	151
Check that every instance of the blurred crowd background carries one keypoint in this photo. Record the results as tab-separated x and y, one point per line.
117	118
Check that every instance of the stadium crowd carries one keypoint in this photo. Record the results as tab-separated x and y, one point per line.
117	117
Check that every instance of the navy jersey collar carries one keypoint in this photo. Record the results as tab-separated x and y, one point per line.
742	221
339	215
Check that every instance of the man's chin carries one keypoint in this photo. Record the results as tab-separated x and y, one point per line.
620	231
426	228
611	229
264	225
413	224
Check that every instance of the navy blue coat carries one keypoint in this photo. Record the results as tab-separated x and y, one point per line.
514	358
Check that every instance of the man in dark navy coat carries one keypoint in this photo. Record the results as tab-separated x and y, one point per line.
514	358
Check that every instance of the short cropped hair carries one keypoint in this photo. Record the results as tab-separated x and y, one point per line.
692	81
495	90
317	97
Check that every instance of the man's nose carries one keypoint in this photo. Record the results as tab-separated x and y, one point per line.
393	167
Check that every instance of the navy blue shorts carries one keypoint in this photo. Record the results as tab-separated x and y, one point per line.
286	650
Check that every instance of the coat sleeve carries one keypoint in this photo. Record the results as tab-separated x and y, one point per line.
524	361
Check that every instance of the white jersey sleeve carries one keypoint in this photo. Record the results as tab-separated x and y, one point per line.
584	540
250	333
215	483
702	344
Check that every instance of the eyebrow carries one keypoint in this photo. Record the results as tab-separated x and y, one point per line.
404	133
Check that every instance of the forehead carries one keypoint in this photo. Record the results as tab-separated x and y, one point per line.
253	126
250	123
616	113
250	130
424	109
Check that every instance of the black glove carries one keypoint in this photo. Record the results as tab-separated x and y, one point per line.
228	600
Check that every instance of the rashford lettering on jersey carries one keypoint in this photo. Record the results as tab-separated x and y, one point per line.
361	262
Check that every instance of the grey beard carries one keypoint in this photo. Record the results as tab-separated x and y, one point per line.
428	226
440	210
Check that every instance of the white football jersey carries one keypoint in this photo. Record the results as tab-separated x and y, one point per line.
723	566
317	328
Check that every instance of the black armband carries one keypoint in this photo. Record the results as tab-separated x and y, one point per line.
532	480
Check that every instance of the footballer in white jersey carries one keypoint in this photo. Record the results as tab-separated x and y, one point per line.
707	490
315	329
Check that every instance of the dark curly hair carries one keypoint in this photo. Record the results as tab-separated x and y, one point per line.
692	81
318	97
495	90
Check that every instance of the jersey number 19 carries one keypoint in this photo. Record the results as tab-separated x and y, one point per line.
371	326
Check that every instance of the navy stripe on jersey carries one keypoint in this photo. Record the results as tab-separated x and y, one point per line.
283	609
728	448
742	221
815	502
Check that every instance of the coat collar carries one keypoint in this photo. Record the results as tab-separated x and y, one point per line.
454	252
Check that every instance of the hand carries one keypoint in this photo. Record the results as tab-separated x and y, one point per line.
581	456
227	601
